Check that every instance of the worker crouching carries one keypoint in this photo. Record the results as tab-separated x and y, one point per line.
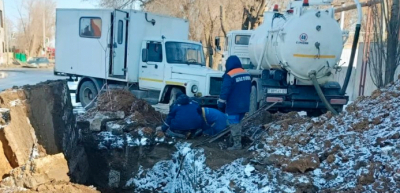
214	121
183	119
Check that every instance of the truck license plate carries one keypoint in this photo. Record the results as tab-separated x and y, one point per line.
277	91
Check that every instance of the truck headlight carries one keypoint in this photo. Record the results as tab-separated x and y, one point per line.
195	88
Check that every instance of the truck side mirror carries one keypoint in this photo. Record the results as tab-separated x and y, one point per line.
217	43
144	55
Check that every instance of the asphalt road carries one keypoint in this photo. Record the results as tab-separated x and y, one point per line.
29	76
24	76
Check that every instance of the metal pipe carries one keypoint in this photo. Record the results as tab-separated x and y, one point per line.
353	49
321	95
365	59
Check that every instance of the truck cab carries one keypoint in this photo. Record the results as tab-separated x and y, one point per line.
237	43
170	66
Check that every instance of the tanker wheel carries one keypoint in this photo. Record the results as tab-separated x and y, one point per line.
253	100
87	93
172	96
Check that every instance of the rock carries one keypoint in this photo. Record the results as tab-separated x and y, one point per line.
113	179
116	125
5	117
65	187
366	179
18	137
395	136
303	164
304	184
5	166
331	158
330	126
39	171
101	118
376	93
274	160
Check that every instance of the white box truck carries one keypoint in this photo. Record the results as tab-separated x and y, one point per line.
150	54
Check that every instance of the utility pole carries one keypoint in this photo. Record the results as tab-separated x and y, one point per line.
44	27
342	17
7	46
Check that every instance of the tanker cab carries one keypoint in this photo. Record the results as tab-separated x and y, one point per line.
159	56
236	43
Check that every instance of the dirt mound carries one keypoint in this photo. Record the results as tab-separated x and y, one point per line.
356	151
116	100
123	100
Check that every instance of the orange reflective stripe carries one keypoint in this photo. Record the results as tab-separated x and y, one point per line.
235	71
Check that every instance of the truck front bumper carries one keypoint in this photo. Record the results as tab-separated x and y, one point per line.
208	101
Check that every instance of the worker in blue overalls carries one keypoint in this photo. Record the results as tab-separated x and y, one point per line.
214	121
234	98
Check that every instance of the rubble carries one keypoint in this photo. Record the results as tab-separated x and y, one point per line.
119	135
37	172
356	151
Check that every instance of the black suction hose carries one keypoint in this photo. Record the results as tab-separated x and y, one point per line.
353	54
321	95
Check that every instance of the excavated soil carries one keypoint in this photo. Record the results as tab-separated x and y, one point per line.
122	100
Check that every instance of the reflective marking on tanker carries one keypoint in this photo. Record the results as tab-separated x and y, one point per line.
313	56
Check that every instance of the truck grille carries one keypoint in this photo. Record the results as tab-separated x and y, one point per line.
215	85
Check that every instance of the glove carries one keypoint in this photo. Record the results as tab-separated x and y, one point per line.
221	105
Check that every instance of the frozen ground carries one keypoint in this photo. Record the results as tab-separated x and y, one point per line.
357	151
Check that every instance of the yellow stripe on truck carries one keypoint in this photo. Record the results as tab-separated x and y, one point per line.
150	79
174	83
313	56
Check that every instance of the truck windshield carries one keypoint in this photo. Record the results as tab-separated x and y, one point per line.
184	53
242	39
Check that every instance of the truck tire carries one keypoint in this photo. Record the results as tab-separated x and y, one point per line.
172	96
87	93
253	100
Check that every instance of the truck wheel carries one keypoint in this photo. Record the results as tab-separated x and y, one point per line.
172	96
253	100
87	93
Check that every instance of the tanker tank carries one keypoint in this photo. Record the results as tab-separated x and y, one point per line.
299	41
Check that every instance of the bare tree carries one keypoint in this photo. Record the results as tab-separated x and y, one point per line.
10	27
384	57
29	35
252	11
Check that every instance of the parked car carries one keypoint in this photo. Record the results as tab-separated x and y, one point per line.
38	62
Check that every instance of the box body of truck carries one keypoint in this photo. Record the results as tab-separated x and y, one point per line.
151	52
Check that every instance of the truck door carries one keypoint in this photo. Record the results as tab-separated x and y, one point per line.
119	42
151	73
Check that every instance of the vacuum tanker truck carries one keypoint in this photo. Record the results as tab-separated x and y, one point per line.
294	58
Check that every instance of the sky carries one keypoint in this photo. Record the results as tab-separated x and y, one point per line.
11	6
